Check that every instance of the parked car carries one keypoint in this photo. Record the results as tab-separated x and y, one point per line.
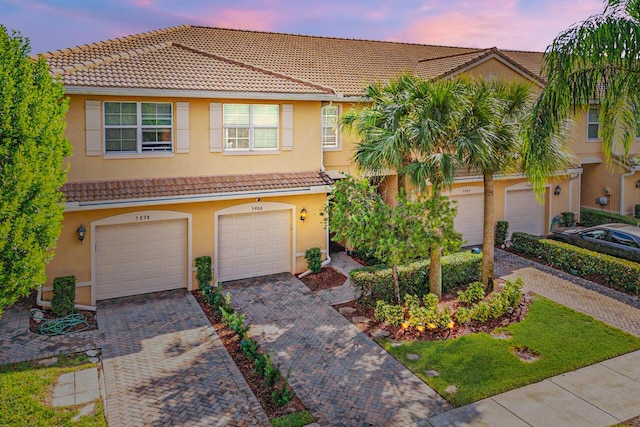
620	240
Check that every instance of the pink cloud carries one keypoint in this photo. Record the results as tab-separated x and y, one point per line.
258	20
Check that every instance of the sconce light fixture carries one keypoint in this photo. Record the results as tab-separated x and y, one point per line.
82	232
556	192
638	183
303	214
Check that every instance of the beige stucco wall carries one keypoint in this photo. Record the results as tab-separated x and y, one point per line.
73	258
305	155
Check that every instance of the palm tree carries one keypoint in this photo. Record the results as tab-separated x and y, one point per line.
596	60
491	146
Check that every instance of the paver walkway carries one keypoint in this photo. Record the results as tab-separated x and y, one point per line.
344	264
343	377
165	365
599	395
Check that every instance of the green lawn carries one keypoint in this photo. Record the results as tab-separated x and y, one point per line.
25	387
296	419
481	366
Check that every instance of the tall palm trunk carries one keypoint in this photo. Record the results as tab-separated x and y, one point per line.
435	265
488	236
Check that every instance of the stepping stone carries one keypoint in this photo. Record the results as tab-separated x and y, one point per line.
412	356
451	389
48	362
396	344
38	315
380	333
432	373
94	359
91	353
360	319
85	411
345	311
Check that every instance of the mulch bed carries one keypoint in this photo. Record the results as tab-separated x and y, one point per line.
89	315
328	277
231	342
449	300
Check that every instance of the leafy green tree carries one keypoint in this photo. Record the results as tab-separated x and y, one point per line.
32	152
597	60
394	234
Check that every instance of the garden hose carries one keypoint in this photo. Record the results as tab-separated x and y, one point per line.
63	325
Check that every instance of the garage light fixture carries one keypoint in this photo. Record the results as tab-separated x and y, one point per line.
82	232
638	183
556	192
303	214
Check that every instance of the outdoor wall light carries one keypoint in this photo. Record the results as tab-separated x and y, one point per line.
556	192
82	232
638	183
303	214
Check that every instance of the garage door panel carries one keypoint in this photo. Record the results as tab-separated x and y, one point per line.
139	258
524	213
469	219
254	244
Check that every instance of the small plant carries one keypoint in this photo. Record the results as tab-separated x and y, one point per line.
567	219
636	211
203	274
411	301
250	349
63	301
213	295
462	315
235	322
502	231
282	395
392	314
314	259
260	363
430	301
473	294
271	372
480	312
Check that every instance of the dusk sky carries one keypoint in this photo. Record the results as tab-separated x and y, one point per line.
510	24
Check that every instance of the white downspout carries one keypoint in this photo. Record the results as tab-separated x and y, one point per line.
622	177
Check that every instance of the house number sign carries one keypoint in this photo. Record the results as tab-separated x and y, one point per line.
143	217
256	208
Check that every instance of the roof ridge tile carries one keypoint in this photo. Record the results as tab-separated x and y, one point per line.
435	58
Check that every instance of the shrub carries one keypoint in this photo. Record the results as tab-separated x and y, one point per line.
567	219
314	259
474	293
375	283
235	322
392	314
480	312
430	301
250	349
271	372
591	217
614	272
63	301
502	231
636	211
462	315
282	395
203	274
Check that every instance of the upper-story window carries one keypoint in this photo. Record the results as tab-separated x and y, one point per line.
138	127
250	127
330	134
593	123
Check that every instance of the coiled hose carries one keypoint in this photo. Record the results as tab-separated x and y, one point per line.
63	325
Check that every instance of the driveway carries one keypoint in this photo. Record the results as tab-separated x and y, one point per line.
165	365
343	377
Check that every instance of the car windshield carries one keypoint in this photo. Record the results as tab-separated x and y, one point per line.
595	234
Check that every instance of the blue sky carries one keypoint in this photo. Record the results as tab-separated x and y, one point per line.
512	24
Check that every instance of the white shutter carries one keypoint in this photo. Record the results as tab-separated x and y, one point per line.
93	127
215	127
287	127
182	125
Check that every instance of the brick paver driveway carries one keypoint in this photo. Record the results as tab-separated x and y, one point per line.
165	365
343	377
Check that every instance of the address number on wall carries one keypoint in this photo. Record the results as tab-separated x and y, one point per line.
256	208
143	217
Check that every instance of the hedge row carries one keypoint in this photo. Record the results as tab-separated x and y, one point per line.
613	272
376	283
591	217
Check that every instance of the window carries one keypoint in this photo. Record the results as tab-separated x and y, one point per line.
593	125
250	127
623	239
330	135
138	127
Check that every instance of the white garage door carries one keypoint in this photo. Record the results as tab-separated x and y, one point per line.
134	259
254	244
524	213
470	218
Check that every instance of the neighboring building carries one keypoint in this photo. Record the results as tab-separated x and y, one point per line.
195	141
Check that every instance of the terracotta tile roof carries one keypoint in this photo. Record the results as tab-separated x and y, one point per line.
204	58
82	192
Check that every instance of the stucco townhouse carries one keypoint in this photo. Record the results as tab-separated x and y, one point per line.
193	141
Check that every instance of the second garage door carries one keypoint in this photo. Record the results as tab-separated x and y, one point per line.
469	220
524	213
254	244
134	259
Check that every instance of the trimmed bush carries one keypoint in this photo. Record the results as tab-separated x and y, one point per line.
613	272
567	219
473	294
63	301
376	283
502	231
636	211
314	259
591	217
203	274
